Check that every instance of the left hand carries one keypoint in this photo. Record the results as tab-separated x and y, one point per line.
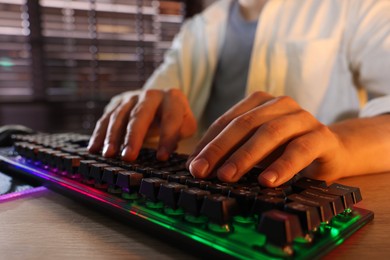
262	128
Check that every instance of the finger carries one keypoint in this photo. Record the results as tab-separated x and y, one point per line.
97	138
172	117
267	139
240	108
140	120
298	154
236	133
117	127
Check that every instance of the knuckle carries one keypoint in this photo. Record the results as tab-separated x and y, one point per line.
286	100
136	111
243	159
323	130
214	150
257	95
221	122
303	146
274	129
151	93
307	117
115	114
102	121
174	92
246	121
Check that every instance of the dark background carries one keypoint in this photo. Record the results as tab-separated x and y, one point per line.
62	60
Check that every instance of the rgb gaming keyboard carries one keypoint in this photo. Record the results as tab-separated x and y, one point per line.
302	219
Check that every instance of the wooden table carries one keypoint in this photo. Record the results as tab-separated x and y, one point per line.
46	225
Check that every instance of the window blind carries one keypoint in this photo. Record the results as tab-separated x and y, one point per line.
15	59
69	57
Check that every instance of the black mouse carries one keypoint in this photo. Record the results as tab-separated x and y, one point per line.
7	131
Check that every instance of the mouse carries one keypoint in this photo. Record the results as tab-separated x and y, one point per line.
6	131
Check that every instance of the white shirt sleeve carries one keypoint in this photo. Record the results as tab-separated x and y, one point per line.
370	54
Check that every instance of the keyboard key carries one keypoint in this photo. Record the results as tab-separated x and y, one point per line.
350	195
150	187
129	181
218	208
84	169
191	200
169	193
96	171
71	163
335	201
265	203
280	193
160	174
180	177
306	183
280	228
324	208
197	183
110	174
219	188
58	159
245	200
308	216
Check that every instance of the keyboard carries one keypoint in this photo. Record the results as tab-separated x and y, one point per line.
302	219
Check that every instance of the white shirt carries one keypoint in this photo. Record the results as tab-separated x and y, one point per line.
319	52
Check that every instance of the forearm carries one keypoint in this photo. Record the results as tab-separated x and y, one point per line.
367	144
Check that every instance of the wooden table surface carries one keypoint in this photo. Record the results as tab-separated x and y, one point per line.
47	225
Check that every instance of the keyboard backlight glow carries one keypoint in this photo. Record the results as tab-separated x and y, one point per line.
240	244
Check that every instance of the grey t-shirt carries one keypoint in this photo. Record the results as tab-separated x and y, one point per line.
233	65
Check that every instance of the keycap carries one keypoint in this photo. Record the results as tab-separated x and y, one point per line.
265	203
150	187
218	208
96	171
350	195
324	208
245	200
179	177
110	175
280	193
174	168
84	168
169	193
58	159
191	200
219	188
71	163
306	183
129	181
334	201
280	228
160	174
197	183
308	216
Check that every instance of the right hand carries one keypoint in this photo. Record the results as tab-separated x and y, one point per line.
165	113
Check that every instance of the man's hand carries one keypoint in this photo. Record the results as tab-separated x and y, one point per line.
274	132
165	113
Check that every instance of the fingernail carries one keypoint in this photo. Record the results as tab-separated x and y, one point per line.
270	176
199	167
106	149
228	170
126	151
189	161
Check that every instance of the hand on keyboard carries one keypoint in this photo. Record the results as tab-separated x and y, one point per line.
260	126
165	113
